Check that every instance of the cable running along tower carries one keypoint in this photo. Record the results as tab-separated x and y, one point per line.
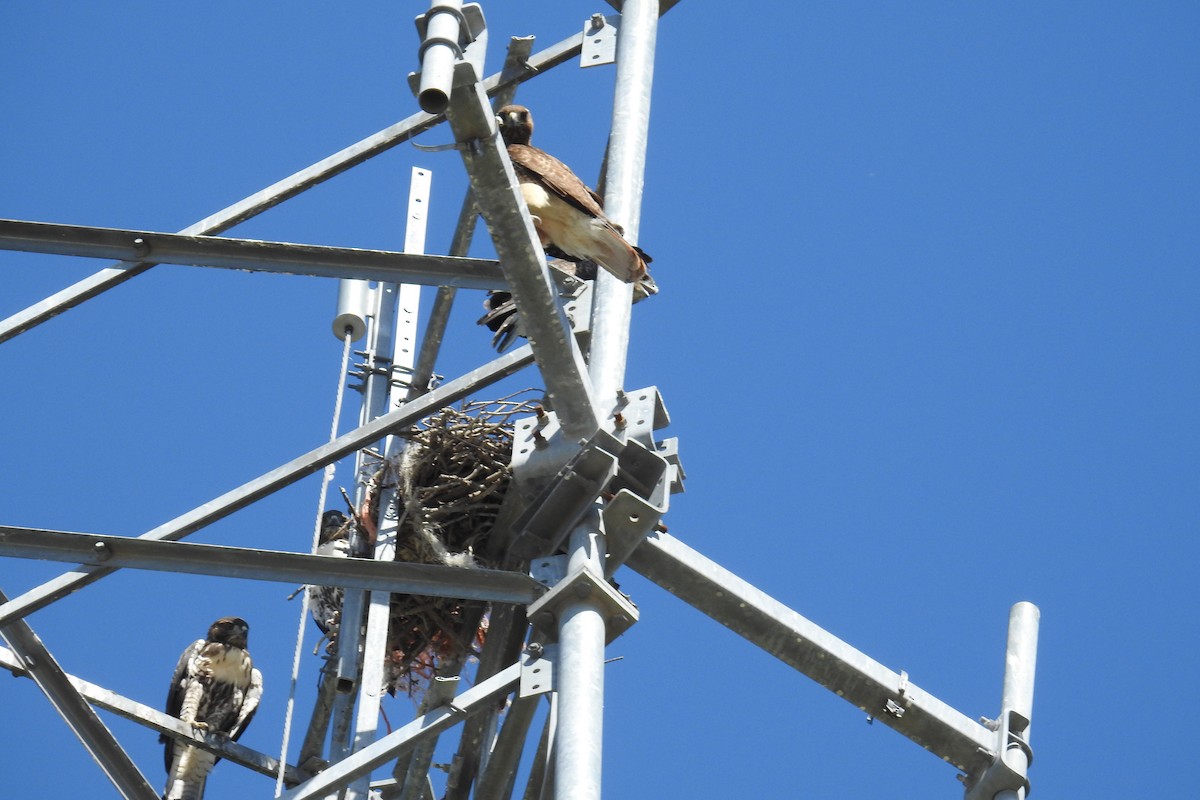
589	484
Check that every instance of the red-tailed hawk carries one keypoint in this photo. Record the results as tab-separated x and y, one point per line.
215	689
570	221
566	213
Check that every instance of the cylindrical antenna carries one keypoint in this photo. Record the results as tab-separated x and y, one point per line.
440	49
352	303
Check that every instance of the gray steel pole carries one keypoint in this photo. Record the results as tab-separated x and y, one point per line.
580	675
582	625
623	190
1020	665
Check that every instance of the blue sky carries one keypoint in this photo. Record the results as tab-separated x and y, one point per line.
927	332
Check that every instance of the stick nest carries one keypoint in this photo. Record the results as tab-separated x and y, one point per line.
448	485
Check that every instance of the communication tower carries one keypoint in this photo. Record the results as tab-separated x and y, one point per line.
590	482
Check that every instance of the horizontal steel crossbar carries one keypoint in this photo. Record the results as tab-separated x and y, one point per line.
251	254
396	577
264	485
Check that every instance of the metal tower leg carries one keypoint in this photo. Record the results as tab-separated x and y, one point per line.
581	639
1007	777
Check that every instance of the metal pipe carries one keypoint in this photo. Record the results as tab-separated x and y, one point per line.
267	565
623	190
441	48
515	61
1020	665
351	309
252	255
580	675
803	645
1020	660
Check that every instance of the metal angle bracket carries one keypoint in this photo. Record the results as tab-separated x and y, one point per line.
552	514
625	466
600	40
637	414
669	449
628	520
537	669
619	611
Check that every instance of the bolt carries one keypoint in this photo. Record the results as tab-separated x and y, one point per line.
619	419
541	412
140	247
535	649
661	528
598	21
102	550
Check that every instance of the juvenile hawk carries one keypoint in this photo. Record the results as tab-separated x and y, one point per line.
215	689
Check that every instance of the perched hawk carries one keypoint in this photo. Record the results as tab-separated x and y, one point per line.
215	689
567	214
570	221
325	602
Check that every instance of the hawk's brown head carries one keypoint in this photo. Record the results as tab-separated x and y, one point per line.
229	630
516	124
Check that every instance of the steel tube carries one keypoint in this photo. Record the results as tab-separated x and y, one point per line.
267	565
289	473
580	675
251	255
439	51
1020	660
798	642
1020	665
515	62
623	190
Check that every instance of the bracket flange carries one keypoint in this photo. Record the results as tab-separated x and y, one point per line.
619	612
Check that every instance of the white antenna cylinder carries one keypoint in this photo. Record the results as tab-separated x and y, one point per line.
352	309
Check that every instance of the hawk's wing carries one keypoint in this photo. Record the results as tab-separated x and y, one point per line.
249	704
175	695
557	177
